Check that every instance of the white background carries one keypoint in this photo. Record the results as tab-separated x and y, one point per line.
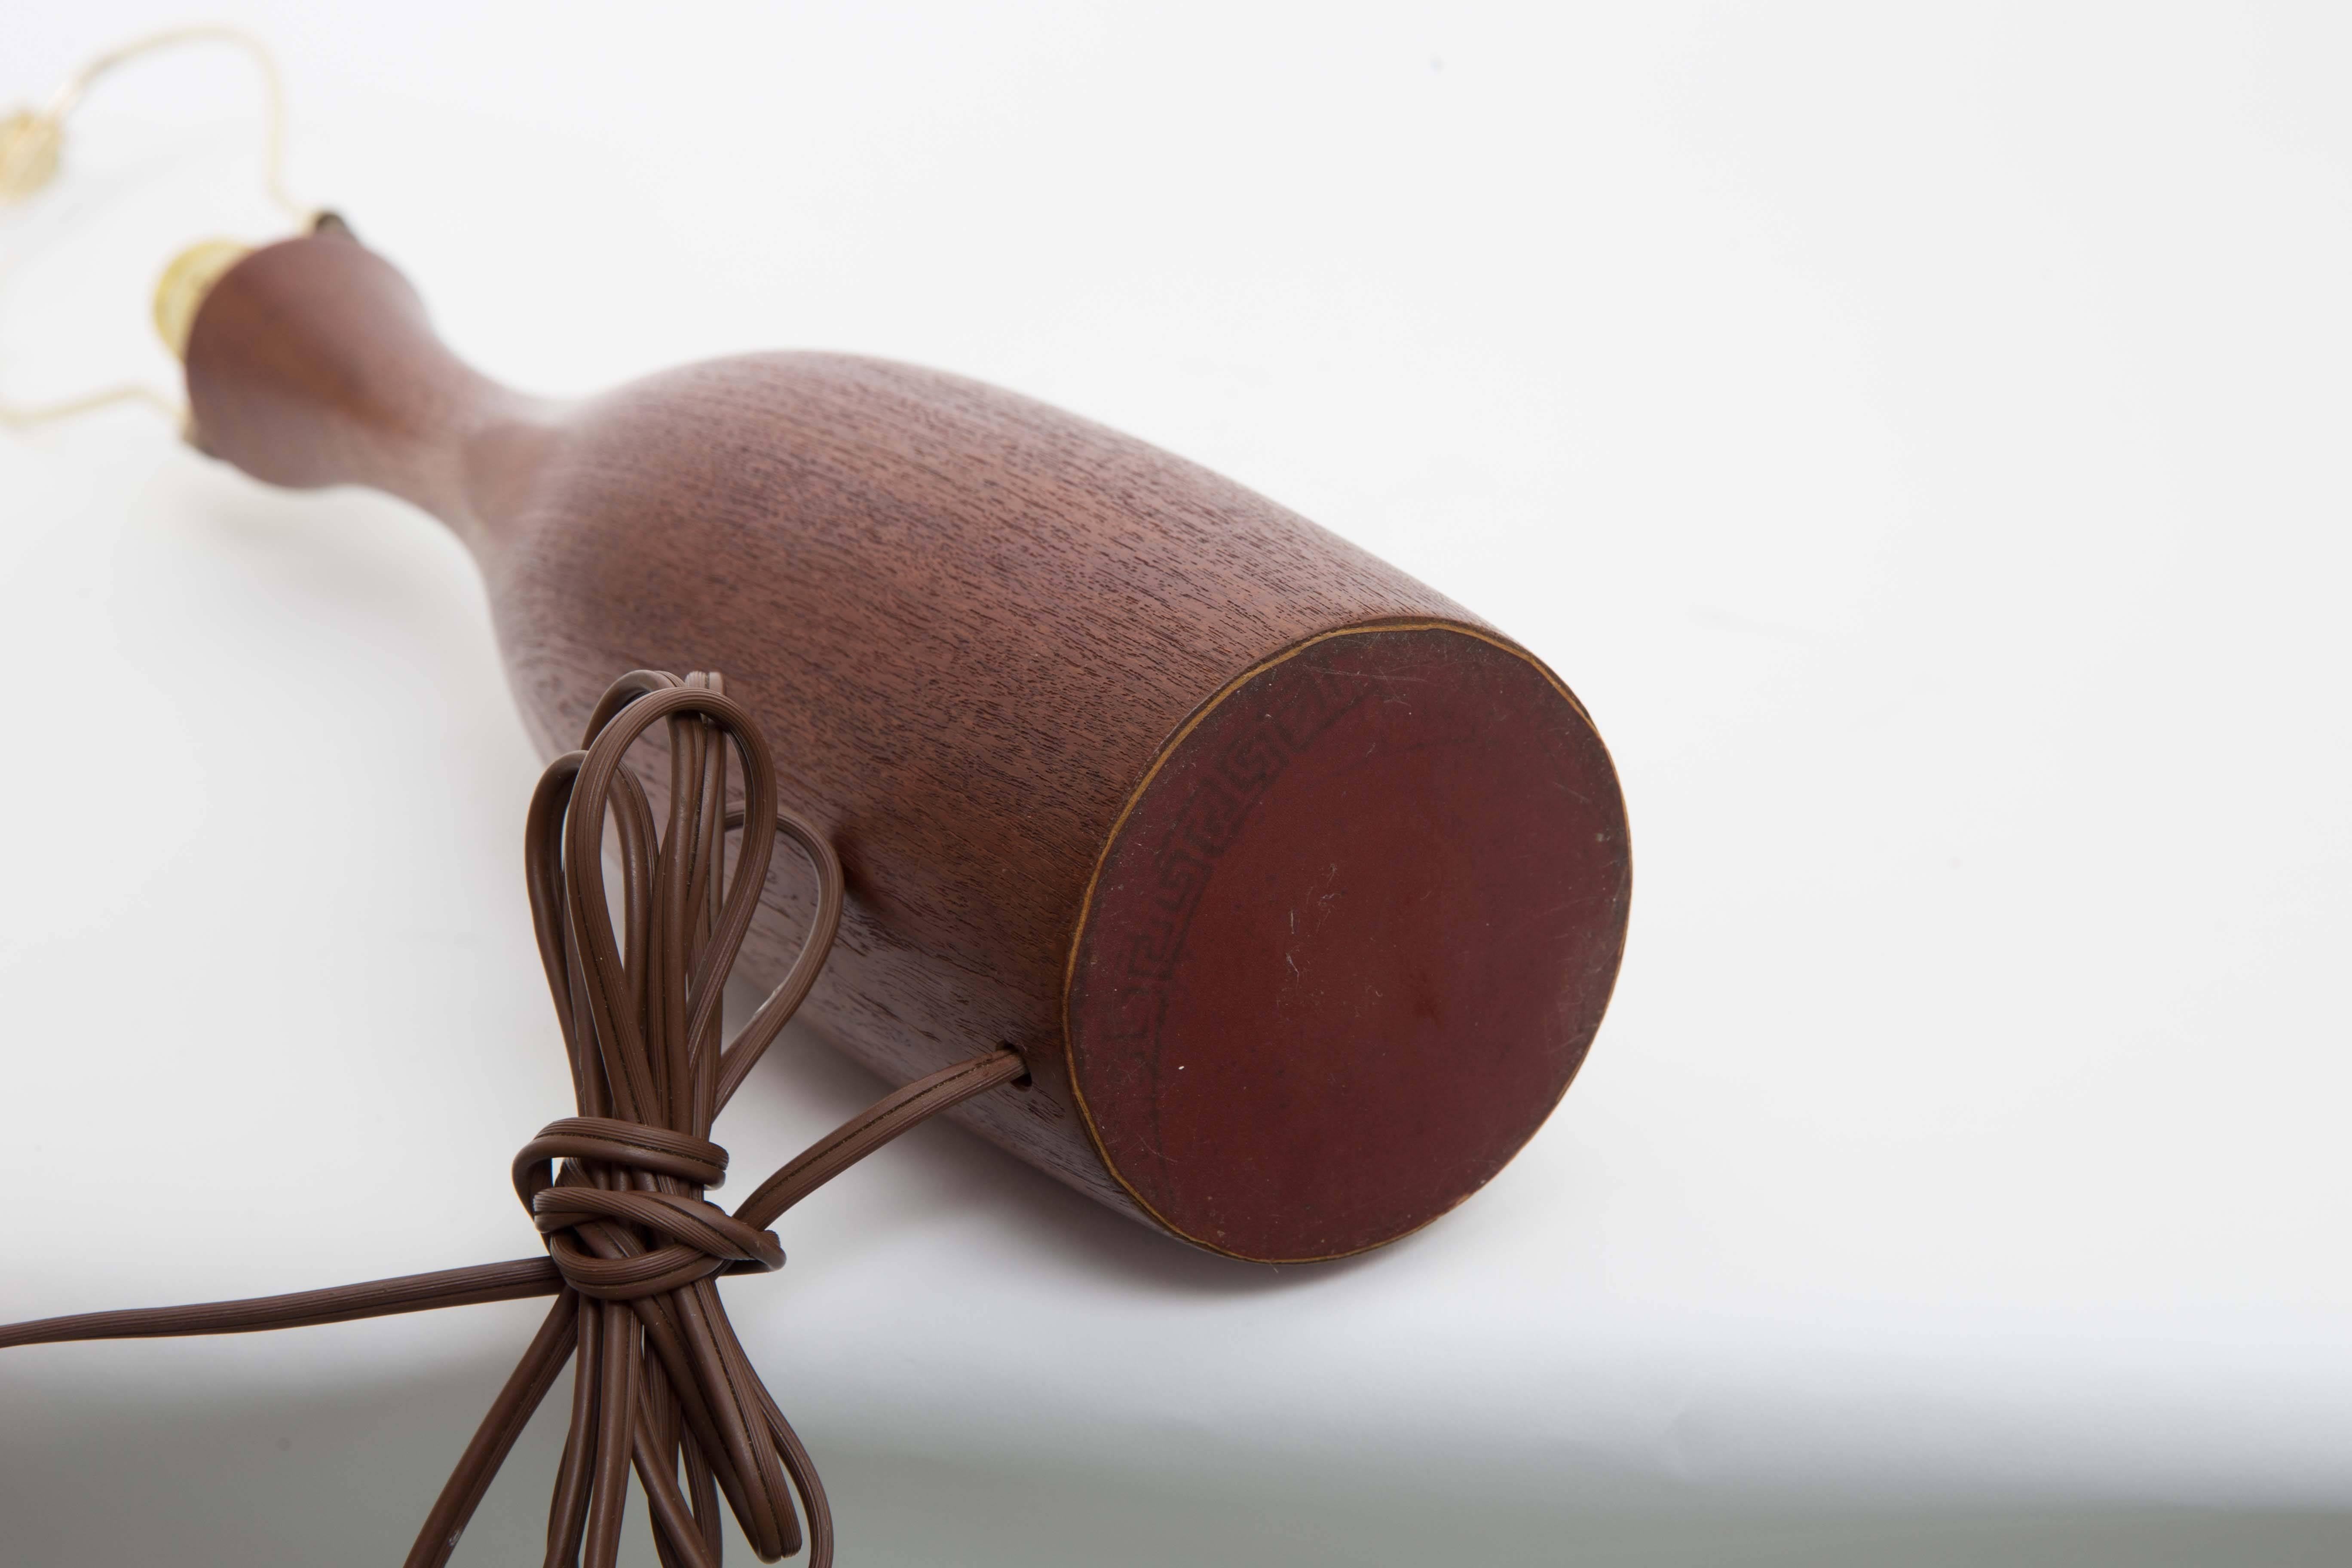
1918	436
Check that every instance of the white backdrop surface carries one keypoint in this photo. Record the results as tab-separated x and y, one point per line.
1917	436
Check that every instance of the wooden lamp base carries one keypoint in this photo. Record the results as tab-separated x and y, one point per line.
1299	889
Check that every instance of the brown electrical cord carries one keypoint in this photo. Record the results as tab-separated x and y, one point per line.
634	1249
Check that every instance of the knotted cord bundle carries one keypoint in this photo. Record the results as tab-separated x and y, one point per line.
634	1249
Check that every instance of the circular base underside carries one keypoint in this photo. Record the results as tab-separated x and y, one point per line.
1348	943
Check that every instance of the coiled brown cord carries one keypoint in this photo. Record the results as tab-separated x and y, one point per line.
634	1249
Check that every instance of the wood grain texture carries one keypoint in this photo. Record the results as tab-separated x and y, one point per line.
972	628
